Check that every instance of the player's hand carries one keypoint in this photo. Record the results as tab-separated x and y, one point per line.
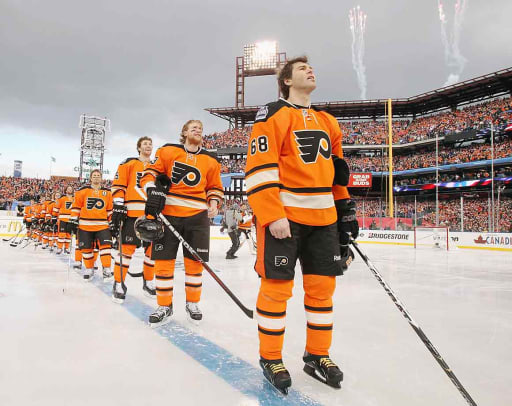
212	208
155	203
73	225
280	228
347	221
119	213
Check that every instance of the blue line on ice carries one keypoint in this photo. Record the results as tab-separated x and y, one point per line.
238	373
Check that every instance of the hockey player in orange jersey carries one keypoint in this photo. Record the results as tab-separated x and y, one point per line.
51	220
45	216
92	208
184	184
129	204
294	156
62	211
27	218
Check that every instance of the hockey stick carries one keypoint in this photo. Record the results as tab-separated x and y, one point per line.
13	237
69	262
249	313
120	247
415	326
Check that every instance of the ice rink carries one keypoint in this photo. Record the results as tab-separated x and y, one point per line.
80	348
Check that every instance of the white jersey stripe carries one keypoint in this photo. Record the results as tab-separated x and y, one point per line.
176	201
307	201
261	177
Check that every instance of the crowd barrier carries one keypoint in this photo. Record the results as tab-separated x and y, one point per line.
467	240
10	226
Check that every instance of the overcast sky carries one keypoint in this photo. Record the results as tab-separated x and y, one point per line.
151	65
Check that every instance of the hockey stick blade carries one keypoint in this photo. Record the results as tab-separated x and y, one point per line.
249	313
415	326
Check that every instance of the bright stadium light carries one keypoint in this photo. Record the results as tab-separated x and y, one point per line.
260	56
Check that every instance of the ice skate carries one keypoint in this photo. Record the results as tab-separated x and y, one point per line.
148	287
323	369
162	315
276	374
118	293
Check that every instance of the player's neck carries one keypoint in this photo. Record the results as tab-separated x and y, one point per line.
191	147
144	158
299	98
96	187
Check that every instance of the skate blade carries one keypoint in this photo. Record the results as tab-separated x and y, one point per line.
87	279
282	391
117	300
109	279
161	323
193	321
319	377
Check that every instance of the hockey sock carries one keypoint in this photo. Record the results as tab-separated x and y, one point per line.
164	277
318	305
271	313
193	279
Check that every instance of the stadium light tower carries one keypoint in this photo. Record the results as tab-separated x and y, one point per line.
92	144
259	59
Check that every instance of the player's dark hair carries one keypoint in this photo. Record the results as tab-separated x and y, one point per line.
286	73
139	142
183	138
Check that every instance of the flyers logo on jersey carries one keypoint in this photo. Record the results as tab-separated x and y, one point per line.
68	205
95	203
311	143
186	173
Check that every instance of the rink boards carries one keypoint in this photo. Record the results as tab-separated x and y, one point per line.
10	226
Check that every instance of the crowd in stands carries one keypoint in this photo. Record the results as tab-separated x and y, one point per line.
235	137
427	159
475	116
232	165
25	189
475	211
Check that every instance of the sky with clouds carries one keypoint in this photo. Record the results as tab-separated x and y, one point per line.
150	66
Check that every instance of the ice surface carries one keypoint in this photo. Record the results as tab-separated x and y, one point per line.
80	348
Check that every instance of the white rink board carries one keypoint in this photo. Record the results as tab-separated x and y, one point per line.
477	241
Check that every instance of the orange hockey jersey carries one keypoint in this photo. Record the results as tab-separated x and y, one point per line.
49	210
62	208
195	179
126	188
36	212
44	209
94	207
289	171
27	214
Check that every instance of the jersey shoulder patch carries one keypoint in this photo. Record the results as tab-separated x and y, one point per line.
268	110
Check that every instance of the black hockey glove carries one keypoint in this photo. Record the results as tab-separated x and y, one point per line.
156	196
53	221
155	203
73	225
341	171
347	224
119	214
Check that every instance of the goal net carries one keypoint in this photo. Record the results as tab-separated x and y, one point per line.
431	237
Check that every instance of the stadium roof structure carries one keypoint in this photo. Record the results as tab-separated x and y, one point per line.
470	91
